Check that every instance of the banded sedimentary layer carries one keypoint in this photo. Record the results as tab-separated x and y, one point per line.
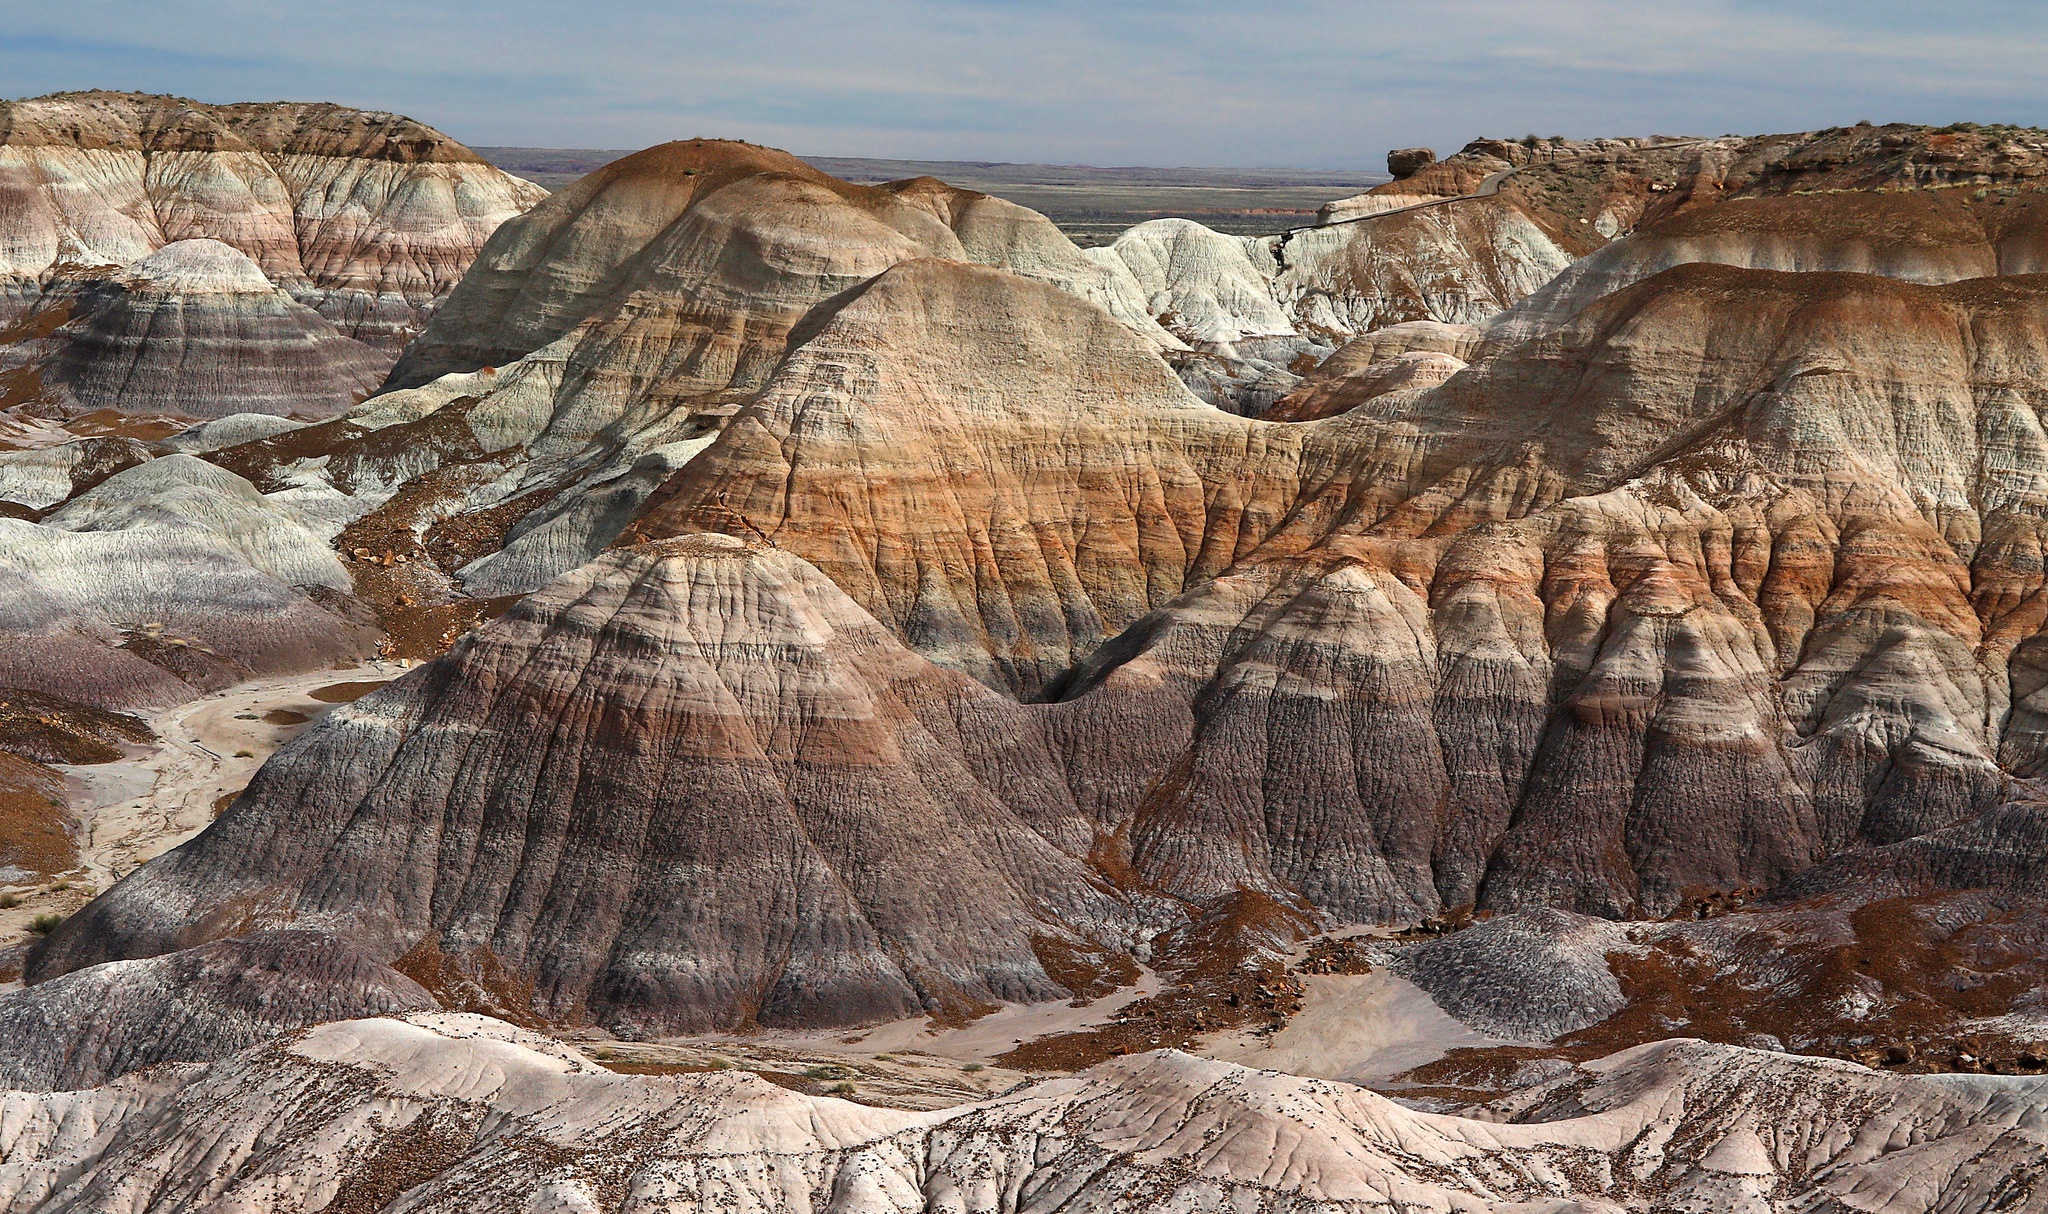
365	217
89	1028
192	330
1600	649
760	809
160	256
940	596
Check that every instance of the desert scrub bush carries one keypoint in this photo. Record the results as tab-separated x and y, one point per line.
245	754
972	1067
827	1072
45	923
841	1089
9	901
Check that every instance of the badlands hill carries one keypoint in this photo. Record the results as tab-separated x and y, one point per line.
848	604
1917	202
1724	578
446	1113
346	227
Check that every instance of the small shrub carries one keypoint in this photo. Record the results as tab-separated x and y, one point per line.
605	1053
45	923
841	1089
827	1072
972	1067
58	887
9	901
245	754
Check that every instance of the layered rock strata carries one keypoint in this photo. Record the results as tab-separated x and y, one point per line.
367	218
1733	572
447	1112
700	256
752	807
1603	652
169	578
1926	954
97	1025
1922	236
195	330
1634	620
1414	354
1467	239
605	336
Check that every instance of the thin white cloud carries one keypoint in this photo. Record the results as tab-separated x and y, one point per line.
1310	82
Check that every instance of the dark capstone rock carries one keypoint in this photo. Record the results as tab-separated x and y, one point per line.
1407	162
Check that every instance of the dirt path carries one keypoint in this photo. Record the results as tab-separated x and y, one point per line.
136	809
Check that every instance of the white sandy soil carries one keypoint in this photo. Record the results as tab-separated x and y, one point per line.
132	810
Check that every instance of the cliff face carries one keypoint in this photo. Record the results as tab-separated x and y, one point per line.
364	220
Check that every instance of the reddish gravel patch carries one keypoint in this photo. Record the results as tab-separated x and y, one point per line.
33	818
340	693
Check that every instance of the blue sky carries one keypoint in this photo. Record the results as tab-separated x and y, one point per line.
1311	83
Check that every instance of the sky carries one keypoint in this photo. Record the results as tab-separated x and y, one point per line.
1284	83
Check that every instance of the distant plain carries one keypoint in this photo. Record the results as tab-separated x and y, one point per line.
1091	205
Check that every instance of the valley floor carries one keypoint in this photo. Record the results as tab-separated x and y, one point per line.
140	807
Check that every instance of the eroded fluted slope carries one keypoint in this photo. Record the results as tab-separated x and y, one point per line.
464	1113
1729	575
1045	479
1457	263
194	330
1924	236
91	1027
365	217
167	578
690	785
699	256
1553	633
1413	354
606	335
